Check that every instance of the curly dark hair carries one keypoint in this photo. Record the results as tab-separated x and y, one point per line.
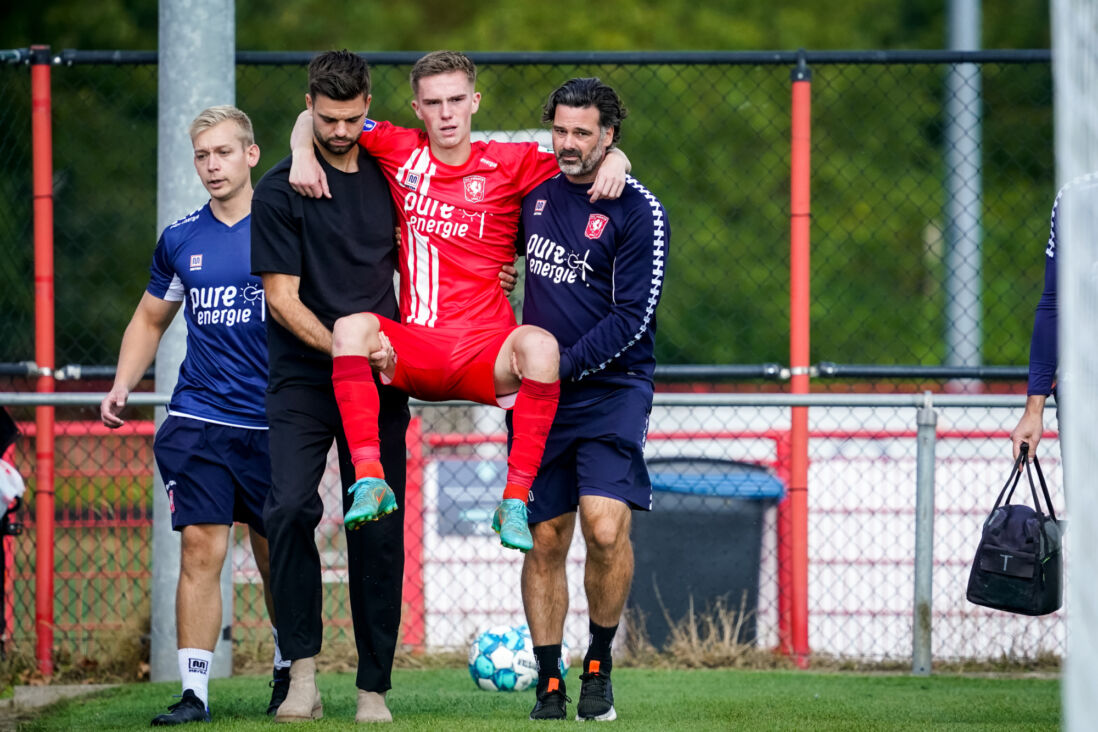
588	92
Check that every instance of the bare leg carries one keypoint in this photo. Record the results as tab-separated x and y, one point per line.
198	594
608	573
263	564
544	582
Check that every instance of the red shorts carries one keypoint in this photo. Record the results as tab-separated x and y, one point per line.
438	364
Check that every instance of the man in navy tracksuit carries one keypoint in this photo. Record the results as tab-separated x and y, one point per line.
1043	344
594	274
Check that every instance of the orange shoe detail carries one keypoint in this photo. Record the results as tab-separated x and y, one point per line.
593	667
554	684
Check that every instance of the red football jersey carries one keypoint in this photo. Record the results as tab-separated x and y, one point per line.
458	223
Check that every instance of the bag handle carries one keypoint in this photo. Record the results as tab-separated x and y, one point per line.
1016	475
1013	478
1044	487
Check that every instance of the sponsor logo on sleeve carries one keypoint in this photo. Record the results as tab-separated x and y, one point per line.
196	262
368	124
474	188
596	224
411	180
539	206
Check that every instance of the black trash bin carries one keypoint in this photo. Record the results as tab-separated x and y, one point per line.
702	540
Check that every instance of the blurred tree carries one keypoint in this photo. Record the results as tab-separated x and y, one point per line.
517	25
711	141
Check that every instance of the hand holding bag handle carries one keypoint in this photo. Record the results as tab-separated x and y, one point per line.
1016	475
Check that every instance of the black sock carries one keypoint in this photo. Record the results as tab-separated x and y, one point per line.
548	658
599	650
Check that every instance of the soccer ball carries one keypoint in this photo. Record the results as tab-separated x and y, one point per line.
501	658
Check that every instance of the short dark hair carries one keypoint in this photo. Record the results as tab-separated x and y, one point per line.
442	62
339	75
589	92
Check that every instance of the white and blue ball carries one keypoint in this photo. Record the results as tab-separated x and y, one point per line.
501	658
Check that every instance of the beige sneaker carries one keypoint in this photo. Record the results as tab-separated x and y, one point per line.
302	702
371	707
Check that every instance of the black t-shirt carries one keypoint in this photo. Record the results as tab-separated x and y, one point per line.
341	247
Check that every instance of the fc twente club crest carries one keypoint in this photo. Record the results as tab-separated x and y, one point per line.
596	223
474	188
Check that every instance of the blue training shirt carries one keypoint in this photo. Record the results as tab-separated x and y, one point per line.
207	265
594	276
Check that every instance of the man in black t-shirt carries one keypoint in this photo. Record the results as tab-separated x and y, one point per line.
321	259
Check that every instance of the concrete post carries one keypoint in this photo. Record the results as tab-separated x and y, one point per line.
197	69
927	420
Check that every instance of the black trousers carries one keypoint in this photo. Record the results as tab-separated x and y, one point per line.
303	422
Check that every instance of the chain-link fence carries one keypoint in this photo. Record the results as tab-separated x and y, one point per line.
709	134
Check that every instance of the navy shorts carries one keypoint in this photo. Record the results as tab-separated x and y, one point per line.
213	473
595	448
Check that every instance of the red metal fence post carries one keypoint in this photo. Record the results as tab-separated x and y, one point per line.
799	329
785	542
42	137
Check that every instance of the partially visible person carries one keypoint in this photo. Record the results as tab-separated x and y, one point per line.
458	202
321	259
594	276
212	449
1043	348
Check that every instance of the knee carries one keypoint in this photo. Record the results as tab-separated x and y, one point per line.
550	545
538	349
606	537
351	332
203	549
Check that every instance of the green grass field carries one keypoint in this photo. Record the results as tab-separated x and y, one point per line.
646	699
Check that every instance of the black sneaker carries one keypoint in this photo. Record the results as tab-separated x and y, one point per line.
596	696
551	701
189	708
280	684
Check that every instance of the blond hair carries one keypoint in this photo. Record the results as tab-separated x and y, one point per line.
442	62
213	116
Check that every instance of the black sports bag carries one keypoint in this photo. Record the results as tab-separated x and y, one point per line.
1018	565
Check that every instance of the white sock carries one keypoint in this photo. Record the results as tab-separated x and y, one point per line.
194	669
279	661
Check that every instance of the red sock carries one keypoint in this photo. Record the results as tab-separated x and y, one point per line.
356	395
535	407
